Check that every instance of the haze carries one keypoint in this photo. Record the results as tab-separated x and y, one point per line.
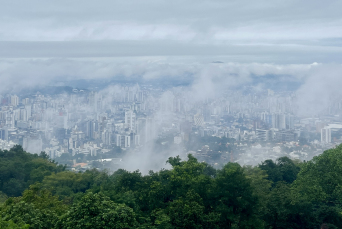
205	53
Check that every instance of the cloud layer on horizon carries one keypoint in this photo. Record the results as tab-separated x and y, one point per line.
34	72
248	31
318	83
202	21
44	42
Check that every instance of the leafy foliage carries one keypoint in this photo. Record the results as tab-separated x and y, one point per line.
284	169
19	169
11	225
37	207
97	211
38	193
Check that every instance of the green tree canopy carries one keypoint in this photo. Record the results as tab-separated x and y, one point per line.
284	169
19	169
320	179
97	211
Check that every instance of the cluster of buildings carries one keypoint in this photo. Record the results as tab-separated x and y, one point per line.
130	116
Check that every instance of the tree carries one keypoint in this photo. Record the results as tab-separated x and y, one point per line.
233	198
19	169
282	212
3	197
43	200
68	184
260	184
320	183
189	212
22	213
37	208
284	169
174	161
97	211
11	225
188	175
43	155
320	179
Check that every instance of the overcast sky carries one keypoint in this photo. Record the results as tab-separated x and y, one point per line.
260	31
293	41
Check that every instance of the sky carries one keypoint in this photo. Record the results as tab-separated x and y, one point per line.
46	41
268	31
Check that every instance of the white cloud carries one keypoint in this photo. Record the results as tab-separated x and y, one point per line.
319	83
204	21
321	88
23	72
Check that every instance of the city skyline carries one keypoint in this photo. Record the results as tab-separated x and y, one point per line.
149	123
82	78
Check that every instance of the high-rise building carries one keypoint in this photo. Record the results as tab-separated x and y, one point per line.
4	134
127	141
289	122
146	129
91	129
206	114
279	121
130	120
264	135
123	141
285	136
118	140
14	100
325	135
23	114
198	120
25	101
140	96
267	119
106	137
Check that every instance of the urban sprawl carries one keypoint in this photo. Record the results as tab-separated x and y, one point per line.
100	128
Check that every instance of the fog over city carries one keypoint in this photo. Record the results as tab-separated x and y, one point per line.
128	84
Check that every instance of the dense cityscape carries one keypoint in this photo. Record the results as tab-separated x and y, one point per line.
170	114
108	128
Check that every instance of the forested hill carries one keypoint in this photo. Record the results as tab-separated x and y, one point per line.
37	193
19	169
